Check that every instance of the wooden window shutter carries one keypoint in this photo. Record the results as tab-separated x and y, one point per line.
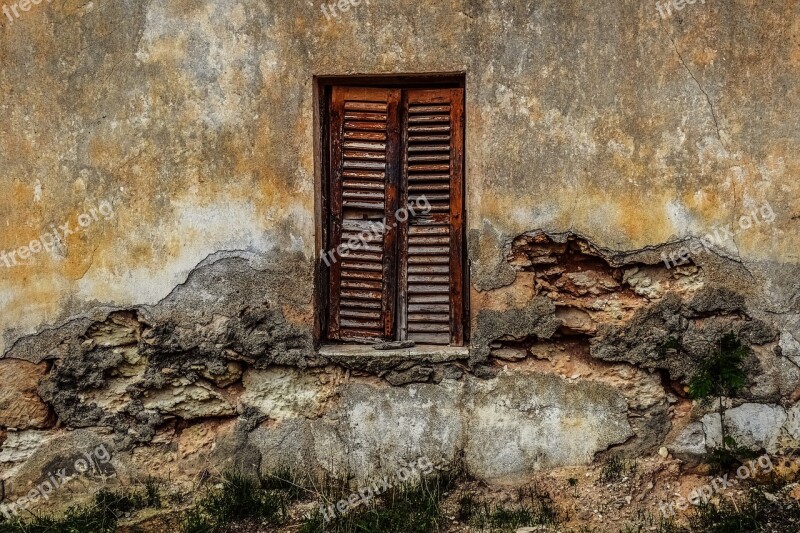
364	170
431	292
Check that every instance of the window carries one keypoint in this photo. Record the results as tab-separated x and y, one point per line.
394	215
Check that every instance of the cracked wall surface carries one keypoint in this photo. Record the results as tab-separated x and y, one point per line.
600	139
572	362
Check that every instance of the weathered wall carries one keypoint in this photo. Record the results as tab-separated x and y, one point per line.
598	136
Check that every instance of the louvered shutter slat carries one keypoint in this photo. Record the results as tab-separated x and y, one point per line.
364	148
431	293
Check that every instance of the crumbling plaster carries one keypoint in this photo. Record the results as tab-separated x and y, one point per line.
598	137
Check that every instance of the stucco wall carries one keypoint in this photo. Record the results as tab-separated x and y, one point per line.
195	120
184	131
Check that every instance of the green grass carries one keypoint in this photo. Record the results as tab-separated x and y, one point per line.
286	481
728	458
535	508
757	513
239	498
411	508
263	501
403	509
468	507
99	517
652	523
615	469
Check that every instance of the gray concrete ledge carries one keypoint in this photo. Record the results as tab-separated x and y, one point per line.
364	356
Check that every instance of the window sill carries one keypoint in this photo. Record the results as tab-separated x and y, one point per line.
360	355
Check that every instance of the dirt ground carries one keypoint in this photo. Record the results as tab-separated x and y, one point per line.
609	497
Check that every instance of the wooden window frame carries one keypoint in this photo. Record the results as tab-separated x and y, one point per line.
323	89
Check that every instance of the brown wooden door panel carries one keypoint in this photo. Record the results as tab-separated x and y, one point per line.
392	148
431	288
364	168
